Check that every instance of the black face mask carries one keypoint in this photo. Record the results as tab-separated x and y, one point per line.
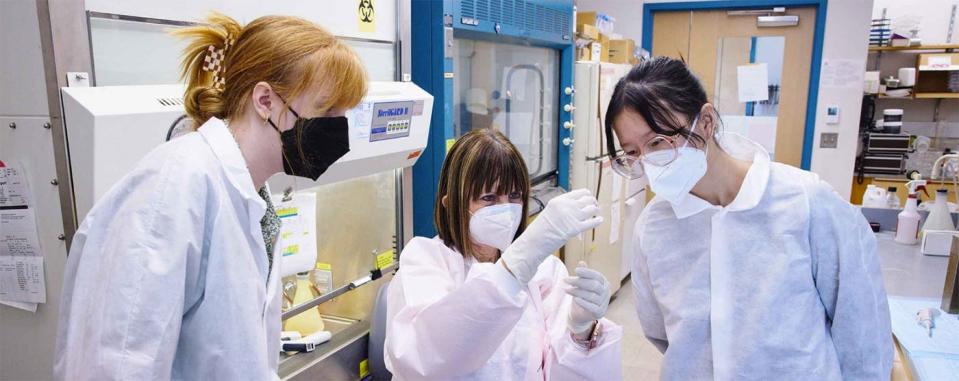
322	141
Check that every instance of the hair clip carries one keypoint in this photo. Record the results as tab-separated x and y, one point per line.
214	62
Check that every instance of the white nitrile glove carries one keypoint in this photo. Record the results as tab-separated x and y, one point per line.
564	217
590	292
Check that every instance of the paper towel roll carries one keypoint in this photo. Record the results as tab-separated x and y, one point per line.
907	76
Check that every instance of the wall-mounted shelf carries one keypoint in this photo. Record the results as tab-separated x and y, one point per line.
913	48
924	96
936	95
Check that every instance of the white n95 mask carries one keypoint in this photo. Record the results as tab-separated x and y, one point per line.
496	225
675	180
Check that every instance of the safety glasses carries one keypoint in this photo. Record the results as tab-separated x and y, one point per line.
659	151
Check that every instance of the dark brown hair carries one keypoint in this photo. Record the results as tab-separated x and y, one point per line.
656	89
479	160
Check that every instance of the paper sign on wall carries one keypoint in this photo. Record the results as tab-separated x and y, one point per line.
842	73
297	233
753	82
366	13
22	283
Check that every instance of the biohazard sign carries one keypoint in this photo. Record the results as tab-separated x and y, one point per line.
367	16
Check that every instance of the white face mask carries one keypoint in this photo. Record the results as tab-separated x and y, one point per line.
675	180
496	225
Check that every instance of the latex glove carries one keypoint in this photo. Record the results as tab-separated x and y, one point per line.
590	292
564	217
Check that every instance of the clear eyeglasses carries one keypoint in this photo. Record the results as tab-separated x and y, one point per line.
659	151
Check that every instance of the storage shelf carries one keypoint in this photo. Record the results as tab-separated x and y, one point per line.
913	48
924	96
936	95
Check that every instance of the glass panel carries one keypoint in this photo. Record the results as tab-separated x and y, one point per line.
134	53
378	57
354	218
511	88
748	78
141	53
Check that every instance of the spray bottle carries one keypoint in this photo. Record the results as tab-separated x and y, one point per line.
907	229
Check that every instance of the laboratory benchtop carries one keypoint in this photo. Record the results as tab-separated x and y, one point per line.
907	272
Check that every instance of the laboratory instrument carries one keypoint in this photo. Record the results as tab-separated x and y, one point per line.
926	319
491	68
939	217
892	120
907	227
111	128
941	162
104	147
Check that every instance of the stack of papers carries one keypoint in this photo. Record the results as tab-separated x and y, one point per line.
21	262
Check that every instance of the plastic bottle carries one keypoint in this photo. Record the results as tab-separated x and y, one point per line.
907	229
874	197
939	216
307	322
892	199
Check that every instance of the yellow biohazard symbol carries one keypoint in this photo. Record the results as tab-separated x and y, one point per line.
367	16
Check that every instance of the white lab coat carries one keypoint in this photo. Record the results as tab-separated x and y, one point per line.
167	275
782	284
456	319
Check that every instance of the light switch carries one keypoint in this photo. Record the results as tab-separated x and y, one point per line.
829	140
832	114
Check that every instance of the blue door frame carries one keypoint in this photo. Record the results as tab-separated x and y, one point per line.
432	70
809	132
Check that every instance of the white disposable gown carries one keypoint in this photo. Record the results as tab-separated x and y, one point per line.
784	283
455	319
168	275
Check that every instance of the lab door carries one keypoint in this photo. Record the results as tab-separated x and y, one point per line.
730	54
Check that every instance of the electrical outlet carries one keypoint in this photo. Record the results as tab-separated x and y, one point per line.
829	140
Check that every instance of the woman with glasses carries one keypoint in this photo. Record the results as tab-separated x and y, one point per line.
745	269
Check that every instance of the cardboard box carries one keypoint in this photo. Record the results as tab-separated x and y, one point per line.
588	18
591	52
587	31
582	54
621	51
604	42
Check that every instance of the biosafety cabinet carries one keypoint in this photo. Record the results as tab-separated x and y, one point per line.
508	66
122	98
504	65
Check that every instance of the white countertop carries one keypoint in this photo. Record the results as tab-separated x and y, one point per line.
907	272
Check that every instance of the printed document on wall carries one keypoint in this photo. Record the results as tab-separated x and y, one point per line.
22	283
752	82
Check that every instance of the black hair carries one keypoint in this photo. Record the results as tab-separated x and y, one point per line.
656	89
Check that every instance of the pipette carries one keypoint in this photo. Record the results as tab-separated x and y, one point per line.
925	317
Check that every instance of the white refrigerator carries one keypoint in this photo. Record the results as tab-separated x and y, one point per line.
608	247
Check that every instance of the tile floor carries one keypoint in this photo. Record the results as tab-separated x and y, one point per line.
641	360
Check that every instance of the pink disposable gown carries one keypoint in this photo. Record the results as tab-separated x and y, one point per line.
456	319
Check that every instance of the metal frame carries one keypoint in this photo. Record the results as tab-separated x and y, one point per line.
814	70
64	42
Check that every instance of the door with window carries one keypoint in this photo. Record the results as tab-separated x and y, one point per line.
754	70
